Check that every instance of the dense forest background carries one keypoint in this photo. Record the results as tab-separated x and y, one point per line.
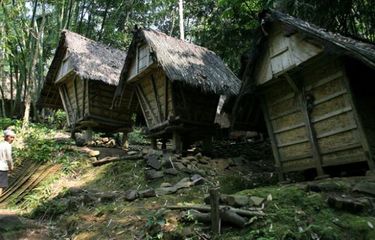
29	31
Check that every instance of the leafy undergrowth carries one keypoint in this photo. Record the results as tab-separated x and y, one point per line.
294	213
83	202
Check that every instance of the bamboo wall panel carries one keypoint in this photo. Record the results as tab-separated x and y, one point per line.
299	164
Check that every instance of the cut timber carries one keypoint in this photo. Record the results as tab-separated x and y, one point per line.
215	211
205	208
115	159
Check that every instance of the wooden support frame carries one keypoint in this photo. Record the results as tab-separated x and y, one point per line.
275	150
363	136
84	97
166	97
76	96
142	96
156	96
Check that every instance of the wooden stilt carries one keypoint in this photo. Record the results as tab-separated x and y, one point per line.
177	142
125	141
154	144
88	134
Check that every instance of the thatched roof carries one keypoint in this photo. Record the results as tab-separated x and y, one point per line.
90	60
357	49
186	62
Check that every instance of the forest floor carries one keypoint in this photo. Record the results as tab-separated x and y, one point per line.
86	202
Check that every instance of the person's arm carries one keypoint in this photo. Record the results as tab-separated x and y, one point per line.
9	158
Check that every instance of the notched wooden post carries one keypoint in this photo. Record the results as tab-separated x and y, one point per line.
215	211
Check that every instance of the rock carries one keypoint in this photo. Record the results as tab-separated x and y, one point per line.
179	165
131	195
203	161
88	199
147	193
234	200
171	171
145	151
167	160
108	197
153	174
190	158
153	161
132	153
256	201
365	187
238	161
197	179
198	156
165	190
10	222
93	159
348	204
329	186
94	153
165	185
184	183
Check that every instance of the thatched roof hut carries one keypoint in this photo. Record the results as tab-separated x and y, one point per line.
178	84
313	86
82	79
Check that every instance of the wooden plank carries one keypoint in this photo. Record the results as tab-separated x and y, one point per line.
131	99
331	114
76	96
325	80
292	143
292	127
282	99
146	106
336	131
275	150
156	96
329	97
342	148
283	114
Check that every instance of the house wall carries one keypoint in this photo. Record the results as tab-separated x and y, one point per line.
154	93
100	96
332	119
193	105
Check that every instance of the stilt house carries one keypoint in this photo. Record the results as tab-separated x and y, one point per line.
315	90
82	79
177	84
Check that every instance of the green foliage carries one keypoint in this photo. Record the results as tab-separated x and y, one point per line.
136	137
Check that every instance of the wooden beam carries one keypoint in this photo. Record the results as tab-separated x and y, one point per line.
142	107
155	91
166	96
76	96
64	105
131	99
275	150
145	101
311	134
84	97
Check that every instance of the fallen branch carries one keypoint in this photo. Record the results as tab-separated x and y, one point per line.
115	159
205	208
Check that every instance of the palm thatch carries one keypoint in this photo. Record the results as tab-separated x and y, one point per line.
90	60
186	62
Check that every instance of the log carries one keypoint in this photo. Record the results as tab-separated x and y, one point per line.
229	215
226	215
205	208
115	159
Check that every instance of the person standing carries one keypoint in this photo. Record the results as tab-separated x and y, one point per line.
6	161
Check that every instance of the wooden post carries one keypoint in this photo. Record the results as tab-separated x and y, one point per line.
88	135
177	142
164	144
154	144
125	141
215	211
